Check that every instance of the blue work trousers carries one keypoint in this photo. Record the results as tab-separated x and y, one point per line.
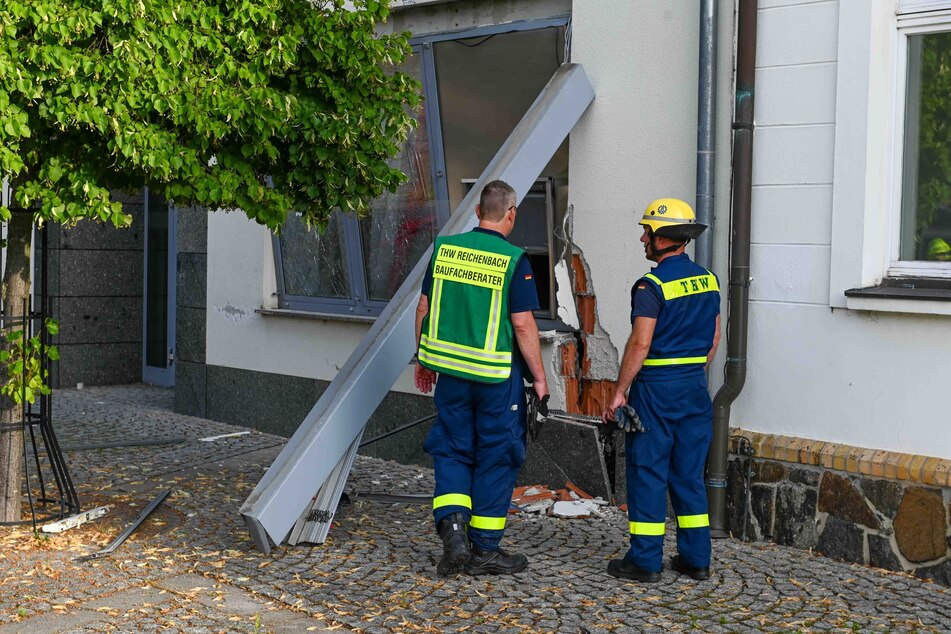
478	446
669	455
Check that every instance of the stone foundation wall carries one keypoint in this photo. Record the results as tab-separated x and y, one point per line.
837	500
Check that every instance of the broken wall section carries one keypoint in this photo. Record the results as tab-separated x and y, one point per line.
588	363
582	366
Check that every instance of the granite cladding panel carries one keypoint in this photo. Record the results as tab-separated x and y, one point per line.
190	327
191	280
567	451
96	235
278	404
269	402
100	273
192	231
98	364
98	319
399	409
190	388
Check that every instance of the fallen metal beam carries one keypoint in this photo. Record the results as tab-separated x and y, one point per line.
124	535
335	424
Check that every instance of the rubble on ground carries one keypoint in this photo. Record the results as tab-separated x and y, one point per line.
569	502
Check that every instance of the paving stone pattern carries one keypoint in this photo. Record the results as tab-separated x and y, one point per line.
194	569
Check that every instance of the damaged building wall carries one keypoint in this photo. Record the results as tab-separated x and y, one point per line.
636	143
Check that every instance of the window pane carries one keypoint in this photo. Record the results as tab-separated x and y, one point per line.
401	225
486	84
314	263
156	304
926	179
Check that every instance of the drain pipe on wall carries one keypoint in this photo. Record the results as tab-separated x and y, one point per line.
737	324
706	129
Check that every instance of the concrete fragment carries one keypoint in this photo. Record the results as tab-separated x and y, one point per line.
571	509
541	506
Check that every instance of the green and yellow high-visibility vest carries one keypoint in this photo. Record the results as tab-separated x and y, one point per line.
468	331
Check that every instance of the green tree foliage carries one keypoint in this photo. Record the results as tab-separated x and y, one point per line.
262	105
934	144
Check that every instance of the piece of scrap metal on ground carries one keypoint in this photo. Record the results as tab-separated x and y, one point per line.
76	520
129	529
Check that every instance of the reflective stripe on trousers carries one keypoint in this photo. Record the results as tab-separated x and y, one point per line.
669	455
478	445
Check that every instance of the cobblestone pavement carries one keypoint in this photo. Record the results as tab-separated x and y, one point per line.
191	567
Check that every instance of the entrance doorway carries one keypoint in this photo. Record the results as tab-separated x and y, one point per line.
158	335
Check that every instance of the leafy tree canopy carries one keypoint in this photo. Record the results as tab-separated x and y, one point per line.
262	105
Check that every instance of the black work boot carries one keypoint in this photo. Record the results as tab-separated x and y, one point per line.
494	562
455	544
699	574
625	569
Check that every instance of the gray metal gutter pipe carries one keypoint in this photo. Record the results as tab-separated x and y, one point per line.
706	129
737	325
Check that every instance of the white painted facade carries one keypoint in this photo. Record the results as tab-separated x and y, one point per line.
821	366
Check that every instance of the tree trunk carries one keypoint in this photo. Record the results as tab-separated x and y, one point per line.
16	287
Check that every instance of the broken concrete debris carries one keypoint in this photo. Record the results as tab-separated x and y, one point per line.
569	502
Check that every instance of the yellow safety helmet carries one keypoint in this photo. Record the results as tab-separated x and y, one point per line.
672	218
939	249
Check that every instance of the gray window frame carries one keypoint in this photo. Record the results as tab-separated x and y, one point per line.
358	303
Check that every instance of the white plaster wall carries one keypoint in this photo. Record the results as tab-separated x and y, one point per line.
638	140
867	379
241	280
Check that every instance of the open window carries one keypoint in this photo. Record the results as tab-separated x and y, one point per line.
477	85
533	233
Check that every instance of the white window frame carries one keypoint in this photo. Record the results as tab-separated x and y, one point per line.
867	181
909	24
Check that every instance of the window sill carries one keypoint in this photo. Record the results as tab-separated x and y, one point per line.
927	296
306	314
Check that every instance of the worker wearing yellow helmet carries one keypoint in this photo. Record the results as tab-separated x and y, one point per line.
939	249
675	317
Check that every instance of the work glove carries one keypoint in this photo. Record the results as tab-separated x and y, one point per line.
537	412
627	419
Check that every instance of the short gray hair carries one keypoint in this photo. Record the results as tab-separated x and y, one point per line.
495	200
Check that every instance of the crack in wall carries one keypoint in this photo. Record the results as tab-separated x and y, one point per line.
586	365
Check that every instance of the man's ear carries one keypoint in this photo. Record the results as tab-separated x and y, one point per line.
478	211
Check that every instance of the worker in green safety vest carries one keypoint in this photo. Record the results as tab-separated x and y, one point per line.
476	330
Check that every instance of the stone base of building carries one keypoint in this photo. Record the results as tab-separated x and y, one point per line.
884	509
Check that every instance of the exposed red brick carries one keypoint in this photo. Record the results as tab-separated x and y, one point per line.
623	507
520	491
569	359
586	312
596	396
581	494
581	280
572	396
585	366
